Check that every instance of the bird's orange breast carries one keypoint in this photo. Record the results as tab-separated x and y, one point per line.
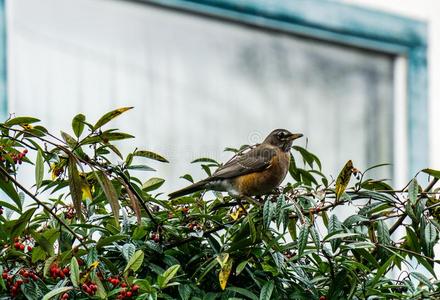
258	183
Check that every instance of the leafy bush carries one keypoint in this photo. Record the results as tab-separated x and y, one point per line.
91	229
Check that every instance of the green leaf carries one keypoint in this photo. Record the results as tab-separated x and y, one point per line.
70	141
135	261
302	239
21	121
343	179
152	184
75	184
56	292
106	137
205	160
78	124
334	226
20	224
315	236
128	251
9	190
74	271
433	173
423	279
241	267
381	271
167	276
110	193
383	237
341	235
150	155
267	213
308	156
107	240
430	234
266	291
110	116
39	169
413	190
185	291
244	292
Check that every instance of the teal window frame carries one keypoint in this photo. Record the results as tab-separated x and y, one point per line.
343	24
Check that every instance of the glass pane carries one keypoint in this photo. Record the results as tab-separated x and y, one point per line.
198	84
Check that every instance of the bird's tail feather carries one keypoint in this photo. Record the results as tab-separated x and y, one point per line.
189	189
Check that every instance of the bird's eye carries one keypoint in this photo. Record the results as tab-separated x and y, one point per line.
281	135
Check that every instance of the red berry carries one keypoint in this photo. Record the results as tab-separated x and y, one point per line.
4	275
21	247
135	288
25	151
19	282
17	245
66	271
129	294
29	248
25	274
34	276
123	285
323	298
84	286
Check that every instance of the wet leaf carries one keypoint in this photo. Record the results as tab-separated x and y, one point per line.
110	116
343	179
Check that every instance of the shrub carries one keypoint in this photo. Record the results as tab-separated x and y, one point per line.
94	230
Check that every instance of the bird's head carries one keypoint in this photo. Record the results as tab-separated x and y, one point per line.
282	138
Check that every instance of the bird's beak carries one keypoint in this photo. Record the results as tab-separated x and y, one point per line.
295	136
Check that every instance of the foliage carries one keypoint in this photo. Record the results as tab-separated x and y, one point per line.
90	229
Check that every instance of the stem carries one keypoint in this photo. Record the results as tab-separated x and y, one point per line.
39	202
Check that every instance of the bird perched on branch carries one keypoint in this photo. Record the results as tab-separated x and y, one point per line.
252	173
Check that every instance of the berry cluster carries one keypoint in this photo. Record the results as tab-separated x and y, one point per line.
89	288
127	292
70	213
16	157
155	237
194	226
14	285
18	245
56	271
114	281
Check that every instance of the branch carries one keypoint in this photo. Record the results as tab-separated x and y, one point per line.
39	202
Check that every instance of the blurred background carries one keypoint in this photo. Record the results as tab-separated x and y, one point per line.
356	77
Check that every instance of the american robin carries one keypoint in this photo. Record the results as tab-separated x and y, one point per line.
252	173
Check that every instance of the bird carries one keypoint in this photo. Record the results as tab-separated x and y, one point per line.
253	173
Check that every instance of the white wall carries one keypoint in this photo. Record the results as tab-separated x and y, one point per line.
429	11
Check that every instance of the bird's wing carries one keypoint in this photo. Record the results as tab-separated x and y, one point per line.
257	159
